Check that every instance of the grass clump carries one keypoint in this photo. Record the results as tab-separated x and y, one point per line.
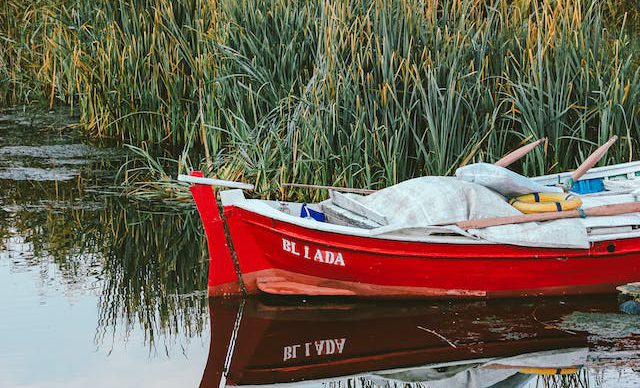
361	93
25	55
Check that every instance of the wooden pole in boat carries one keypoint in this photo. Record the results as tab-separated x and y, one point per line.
343	189
604	210
592	160
519	153
215	182
503	162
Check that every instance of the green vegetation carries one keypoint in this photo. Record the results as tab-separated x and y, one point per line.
24	51
360	93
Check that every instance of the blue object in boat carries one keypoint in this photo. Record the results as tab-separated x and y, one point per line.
307	212
630	307
587	186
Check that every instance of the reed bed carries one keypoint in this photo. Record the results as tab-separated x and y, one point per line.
358	93
25	27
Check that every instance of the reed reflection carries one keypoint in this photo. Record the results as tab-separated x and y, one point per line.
145	264
153	274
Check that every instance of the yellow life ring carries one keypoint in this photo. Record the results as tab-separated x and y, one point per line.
546	202
548	371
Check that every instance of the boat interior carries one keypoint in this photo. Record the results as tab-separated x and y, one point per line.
343	213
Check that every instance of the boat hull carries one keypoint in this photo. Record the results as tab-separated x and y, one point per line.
251	253
281	258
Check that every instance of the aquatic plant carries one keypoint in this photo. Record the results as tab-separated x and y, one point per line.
351	93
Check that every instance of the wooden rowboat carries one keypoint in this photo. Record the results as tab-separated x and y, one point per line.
259	246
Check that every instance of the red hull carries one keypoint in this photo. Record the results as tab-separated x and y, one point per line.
281	258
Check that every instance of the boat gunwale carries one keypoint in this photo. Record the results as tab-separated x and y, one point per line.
235	197
249	205
594	173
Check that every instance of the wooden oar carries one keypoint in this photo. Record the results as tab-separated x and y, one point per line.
605	210
215	182
519	153
592	159
504	162
342	189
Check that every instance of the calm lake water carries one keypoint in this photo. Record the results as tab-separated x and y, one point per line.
97	291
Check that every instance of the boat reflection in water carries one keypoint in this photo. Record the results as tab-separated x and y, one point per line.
406	344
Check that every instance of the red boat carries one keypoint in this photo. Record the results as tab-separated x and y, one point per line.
256	342
259	246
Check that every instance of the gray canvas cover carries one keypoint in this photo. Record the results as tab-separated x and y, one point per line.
435	203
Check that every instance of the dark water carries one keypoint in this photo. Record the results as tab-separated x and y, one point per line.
97	291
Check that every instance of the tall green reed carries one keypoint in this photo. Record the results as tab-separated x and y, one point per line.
359	93
401	89
25	56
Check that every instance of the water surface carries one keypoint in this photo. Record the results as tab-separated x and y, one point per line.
94	291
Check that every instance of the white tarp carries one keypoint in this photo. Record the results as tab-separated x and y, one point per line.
420	203
502	180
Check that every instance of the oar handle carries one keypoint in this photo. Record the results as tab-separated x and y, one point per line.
214	182
519	153
335	188
593	159
604	210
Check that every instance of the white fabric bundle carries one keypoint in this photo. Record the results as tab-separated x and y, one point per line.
502	180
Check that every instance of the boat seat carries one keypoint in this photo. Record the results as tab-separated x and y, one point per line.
344	209
339	216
